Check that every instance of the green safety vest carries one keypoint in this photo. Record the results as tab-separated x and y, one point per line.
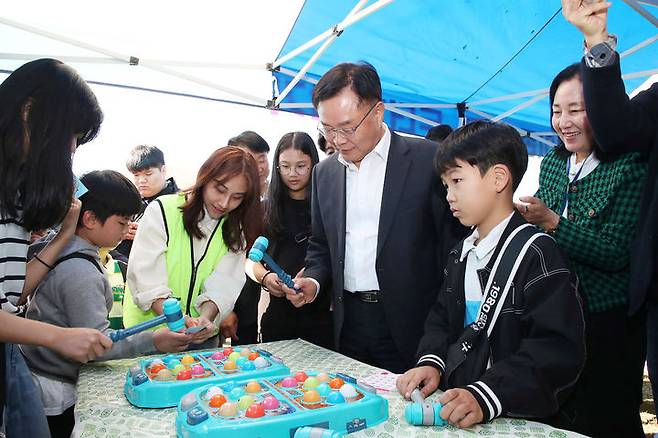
184	279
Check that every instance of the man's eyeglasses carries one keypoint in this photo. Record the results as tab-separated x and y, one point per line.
300	169
331	133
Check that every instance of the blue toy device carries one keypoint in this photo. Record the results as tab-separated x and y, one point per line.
422	412
258	253
298	405
160	382
171	314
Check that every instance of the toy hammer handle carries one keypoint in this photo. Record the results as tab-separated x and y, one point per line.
172	315
283	276
122	334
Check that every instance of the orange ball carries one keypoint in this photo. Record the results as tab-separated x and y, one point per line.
336	383
217	400
253	386
253	355
155	369
230	365
311	396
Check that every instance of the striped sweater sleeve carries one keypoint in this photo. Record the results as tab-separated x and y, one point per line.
14	240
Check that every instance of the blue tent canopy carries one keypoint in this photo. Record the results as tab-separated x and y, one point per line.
493	55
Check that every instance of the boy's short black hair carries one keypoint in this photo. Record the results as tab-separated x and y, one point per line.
109	193
484	144
250	140
438	133
144	157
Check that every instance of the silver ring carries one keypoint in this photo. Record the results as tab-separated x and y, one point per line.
526	208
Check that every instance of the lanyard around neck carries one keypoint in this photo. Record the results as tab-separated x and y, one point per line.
565	198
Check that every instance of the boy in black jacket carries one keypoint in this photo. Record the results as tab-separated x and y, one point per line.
514	348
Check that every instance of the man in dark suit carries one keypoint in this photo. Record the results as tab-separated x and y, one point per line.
621	124
381	226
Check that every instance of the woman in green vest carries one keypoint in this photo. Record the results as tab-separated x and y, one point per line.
192	245
589	202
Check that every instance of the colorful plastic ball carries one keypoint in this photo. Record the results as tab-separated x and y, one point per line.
227	351
289	382
248	366
236	393
187	360
164	374
348	390
156	362
253	386
178	368
184	375
228	409
188	401
311	396
217	401
301	376
336	383
173	363
198	371
335	398
213	390
245	401
240	361
217	355
323	377
245	352
324	389
168	358
311	383
271	403
155	369
256	410
230	365
253	355
234	356
260	362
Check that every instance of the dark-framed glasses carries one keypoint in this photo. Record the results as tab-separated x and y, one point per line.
330	133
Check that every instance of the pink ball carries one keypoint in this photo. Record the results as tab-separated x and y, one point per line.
217	355
270	403
198	369
289	382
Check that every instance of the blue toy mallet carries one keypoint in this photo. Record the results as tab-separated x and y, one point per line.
171	314
258	253
423	413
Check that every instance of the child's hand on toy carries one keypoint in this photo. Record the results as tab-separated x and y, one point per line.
171	342
203	335
460	408
426	377
80	344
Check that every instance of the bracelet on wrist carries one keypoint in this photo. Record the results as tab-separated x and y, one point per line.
37	258
262	280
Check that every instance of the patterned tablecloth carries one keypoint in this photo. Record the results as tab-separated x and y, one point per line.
103	411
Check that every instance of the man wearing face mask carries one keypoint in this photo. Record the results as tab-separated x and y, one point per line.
381	226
